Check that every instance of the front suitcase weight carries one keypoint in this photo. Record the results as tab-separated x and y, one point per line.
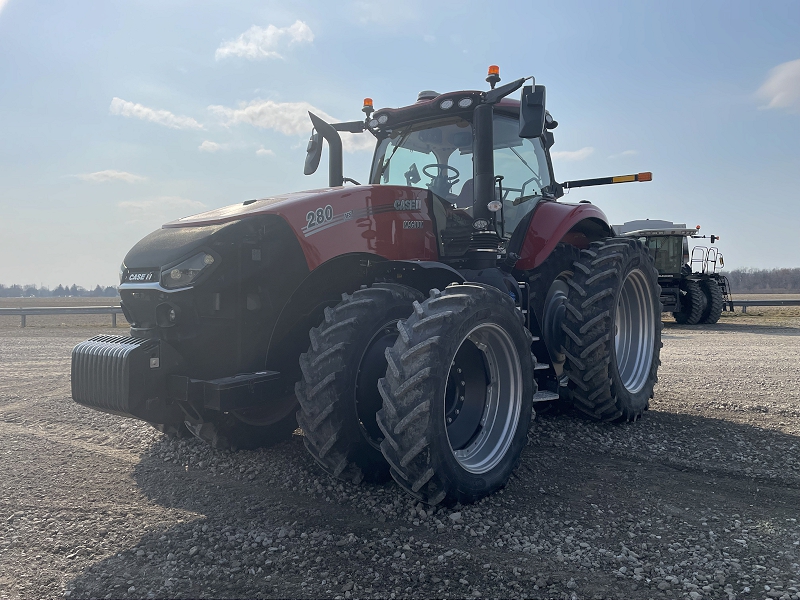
119	375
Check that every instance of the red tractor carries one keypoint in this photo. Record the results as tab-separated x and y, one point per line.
408	325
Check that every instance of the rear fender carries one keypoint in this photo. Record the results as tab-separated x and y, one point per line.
555	222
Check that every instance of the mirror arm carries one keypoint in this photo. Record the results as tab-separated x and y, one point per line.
350	126
335	178
494	96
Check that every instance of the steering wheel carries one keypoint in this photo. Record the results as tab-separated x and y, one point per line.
441	184
451	180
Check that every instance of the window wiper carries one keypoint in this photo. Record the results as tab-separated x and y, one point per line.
524	162
403	137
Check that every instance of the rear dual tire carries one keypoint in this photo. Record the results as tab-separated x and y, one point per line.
613	330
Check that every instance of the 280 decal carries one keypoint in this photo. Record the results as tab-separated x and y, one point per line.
315	218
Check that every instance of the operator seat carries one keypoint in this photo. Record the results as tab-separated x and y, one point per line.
464	198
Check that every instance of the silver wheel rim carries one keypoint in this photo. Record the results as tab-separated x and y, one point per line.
635	331
502	402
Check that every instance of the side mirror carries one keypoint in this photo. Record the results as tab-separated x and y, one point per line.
313	153
531	111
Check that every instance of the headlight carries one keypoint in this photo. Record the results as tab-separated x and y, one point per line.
465	102
445	104
187	272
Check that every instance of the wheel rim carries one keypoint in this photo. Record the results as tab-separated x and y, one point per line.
635	331
372	367
483	398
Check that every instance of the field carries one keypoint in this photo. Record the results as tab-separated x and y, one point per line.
699	499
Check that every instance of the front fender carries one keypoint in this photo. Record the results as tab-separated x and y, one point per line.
554	222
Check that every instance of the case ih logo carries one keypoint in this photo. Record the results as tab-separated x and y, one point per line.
407	204
140	277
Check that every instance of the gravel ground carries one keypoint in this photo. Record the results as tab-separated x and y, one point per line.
697	500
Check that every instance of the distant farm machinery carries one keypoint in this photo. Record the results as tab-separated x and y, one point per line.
691	288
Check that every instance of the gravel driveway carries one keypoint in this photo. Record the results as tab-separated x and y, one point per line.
699	499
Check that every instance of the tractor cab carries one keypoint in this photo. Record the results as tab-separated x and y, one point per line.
482	157
438	155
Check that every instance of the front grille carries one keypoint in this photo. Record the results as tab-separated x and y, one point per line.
110	372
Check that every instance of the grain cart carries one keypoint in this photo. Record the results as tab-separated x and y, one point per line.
410	323
691	288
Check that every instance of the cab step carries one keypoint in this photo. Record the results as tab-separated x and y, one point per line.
545	396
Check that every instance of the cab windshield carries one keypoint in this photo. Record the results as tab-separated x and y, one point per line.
667	252
437	155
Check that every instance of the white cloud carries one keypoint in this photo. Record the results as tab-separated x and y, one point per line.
782	87
208	146
624	153
159	206
162	117
258	42
289	118
572	155
265	152
110	175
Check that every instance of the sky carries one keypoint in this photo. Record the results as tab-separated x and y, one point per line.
116	117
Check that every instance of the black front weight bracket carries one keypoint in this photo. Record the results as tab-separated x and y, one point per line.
226	394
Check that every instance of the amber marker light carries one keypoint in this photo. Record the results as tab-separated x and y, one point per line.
368	107
493	78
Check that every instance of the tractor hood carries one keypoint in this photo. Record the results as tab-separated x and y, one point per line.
273	205
390	220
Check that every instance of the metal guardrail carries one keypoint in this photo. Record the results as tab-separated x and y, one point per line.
63	310
116	310
745	303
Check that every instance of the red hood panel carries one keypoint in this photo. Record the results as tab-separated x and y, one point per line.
390	221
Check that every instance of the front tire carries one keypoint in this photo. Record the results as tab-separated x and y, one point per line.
613	329
457	396
338	393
